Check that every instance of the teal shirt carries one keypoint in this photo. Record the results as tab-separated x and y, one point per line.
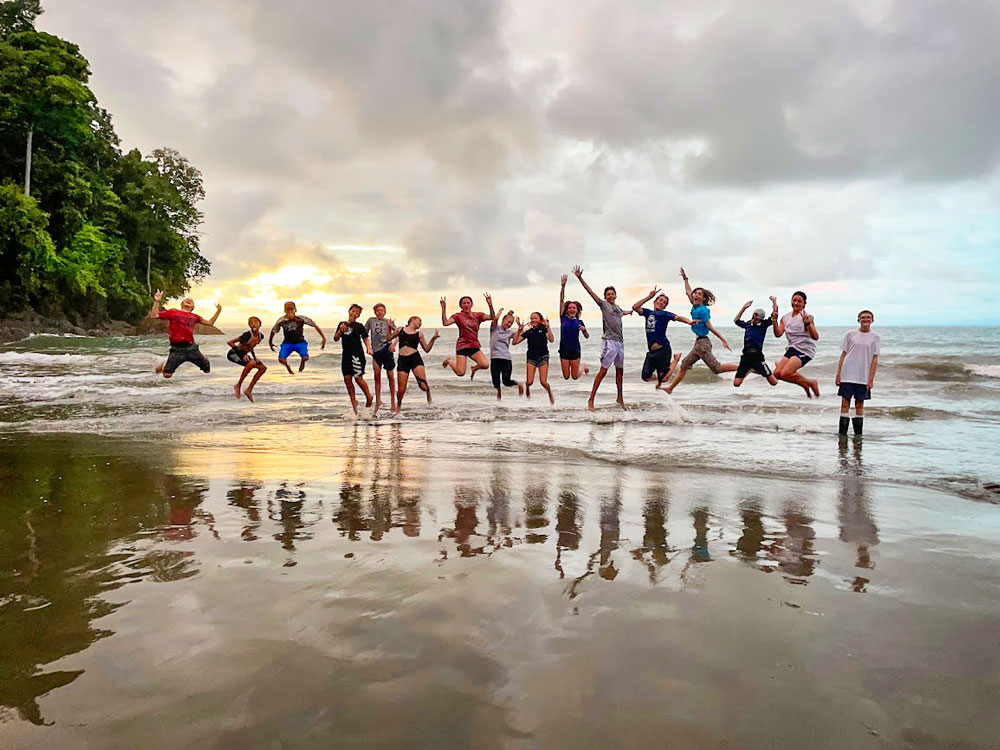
700	315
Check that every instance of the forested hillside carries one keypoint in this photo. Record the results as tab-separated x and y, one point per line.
86	229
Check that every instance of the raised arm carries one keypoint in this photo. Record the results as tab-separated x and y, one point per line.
446	320
211	321
778	326
810	325
739	315
562	294
489	301
578	272
687	285
638	305
721	338
428	345
548	331
519	336
154	311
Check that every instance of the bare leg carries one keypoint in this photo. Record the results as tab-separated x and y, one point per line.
567	368
677	379
400	391
457	365
479	362
390	375
364	389
378	385
246	369
619	376
788	370
261	369
529	378
597	384
302	363
670	371
349	382
287	366
420	373
543	378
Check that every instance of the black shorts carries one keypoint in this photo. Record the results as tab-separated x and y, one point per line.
353	366
857	391
657	360
181	353
500	370
753	361
384	359
409	362
236	356
793	352
569	354
542	359
470	351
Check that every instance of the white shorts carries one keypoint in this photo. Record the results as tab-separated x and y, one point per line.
612	354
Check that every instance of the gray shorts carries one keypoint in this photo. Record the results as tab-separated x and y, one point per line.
702	350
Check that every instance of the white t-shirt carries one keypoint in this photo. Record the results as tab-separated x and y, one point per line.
796	334
860	348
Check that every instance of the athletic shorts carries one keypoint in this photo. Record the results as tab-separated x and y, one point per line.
468	351
301	348
702	350
409	362
612	354
793	352
181	353
657	360
569	354
538	361
353	367
500	370
857	391
384	359
753	361
236	357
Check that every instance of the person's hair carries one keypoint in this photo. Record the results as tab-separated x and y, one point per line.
611	288
661	294
412	318
360	308
465	296
509	314
567	303
251	319
867	311
535	312
289	303
377	305
802	295
708	298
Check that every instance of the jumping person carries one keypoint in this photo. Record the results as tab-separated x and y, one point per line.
701	299
351	334
291	326
501	333
660	358
570	328
612	343
180	333
241	352
538	334
467	346
856	370
799	328
755	330
378	334
410	337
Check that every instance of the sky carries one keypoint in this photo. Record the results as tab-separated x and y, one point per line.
404	150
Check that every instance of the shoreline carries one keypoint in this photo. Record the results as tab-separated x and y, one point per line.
19	327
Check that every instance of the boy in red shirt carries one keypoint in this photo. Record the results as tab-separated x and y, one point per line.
180	331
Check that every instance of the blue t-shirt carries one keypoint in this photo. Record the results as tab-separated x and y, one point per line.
700	315
656	326
753	338
569	332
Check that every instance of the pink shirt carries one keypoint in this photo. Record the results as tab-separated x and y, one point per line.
468	329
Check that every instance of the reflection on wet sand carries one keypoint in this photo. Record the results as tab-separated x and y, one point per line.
857	526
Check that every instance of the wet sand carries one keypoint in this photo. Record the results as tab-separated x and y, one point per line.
353	587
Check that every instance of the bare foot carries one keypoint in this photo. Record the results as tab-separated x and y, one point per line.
368	403
590	406
498	394
809	393
428	397
302	365
289	368
668	389
472	375
159	368
527	391
622	404
552	399
586	370
447	362
237	389
249	394
815	388
520	389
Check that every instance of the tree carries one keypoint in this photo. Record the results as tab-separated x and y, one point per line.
27	254
18	15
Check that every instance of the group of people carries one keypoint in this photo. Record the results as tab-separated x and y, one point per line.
380	339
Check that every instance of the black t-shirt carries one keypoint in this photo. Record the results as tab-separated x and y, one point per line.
292	328
353	340
538	342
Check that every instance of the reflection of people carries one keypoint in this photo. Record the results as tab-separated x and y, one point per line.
611	509
751	541
853	513
290	502
794	552
291	326
856	370
243	496
536	497
180	332
654	538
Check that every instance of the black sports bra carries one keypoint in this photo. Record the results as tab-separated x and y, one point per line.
410	340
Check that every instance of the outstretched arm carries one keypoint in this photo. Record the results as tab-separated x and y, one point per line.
519	336
562	293
445	319
578	272
428	345
687	285
638	305
718	335
778	326
211	321
154	311
739	315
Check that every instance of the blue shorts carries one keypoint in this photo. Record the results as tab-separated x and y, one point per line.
302	349
384	359
857	391
793	352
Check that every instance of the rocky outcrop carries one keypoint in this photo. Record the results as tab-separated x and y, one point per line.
22	325
154	326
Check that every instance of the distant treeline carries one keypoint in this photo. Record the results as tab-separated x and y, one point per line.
86	231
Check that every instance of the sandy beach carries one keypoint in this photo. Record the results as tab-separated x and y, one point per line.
347	586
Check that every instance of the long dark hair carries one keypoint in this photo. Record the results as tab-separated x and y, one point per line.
709	298
567	303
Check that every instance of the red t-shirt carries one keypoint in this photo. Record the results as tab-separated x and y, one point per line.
468	329
181	327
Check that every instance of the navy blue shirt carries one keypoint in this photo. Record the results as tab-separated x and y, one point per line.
569	339
753	339
656	326
538	341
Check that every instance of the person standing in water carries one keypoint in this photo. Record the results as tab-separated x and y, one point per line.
701	299
351	334
799	328
501	332
180	333
755	329
241	352
410	337
291	325
538	334
660	359
378	329
612	343
467	346
856	370
570	328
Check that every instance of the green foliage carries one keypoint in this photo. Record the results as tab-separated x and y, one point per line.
98	223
